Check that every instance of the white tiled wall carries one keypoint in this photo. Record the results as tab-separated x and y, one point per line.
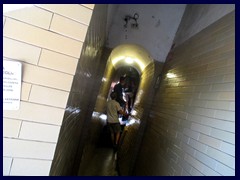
46	77
39	132
90	6
48	40
11	127
37	113
28	149
4	21
33	35
68	27
31	167
72	11
18	50
7	162
48	96
25	91
39	17
59	62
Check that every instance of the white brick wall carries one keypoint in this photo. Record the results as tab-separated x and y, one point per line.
17	50
59	62
28	149
31	167
68	27
39	17
72	11
46	77
48	40
48	96
27	33
37	113
7	162
11	127
39	132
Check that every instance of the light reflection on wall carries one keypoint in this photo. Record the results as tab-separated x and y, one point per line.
104	79
138	97
73	110
171	75
173	79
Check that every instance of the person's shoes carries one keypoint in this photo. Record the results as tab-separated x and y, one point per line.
115	156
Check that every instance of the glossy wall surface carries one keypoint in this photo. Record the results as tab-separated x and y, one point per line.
105	86
82	98
191	129
132	135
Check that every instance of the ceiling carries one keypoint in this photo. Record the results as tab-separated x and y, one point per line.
157	26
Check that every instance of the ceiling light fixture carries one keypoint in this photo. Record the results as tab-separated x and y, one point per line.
129	60
117	59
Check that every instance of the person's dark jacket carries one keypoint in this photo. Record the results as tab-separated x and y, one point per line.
118	88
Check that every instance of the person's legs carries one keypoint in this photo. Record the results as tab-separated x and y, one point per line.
117	138
115	129
113	137
112	130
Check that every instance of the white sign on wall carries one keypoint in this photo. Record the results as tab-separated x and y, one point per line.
12	73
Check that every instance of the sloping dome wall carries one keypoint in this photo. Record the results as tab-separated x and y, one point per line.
104	89
191	128
74	131
132	134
